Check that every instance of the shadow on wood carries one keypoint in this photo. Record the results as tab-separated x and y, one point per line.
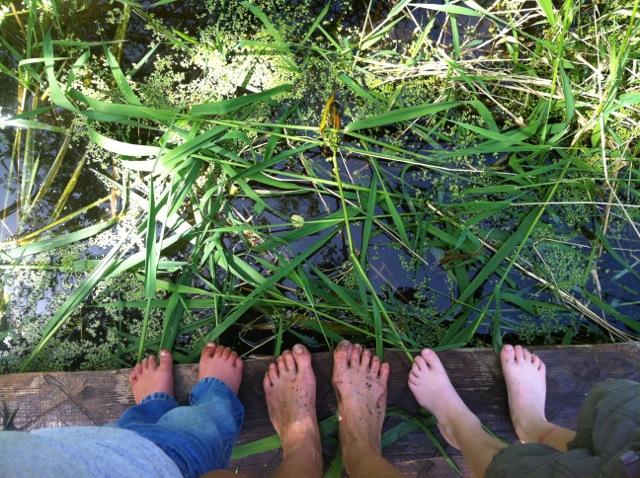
96	398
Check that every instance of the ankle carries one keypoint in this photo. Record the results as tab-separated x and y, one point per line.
300	438
307	451
534	430
456	427
358	449
355	446
353	453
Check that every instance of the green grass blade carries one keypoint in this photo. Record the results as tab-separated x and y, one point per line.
400	115
229	106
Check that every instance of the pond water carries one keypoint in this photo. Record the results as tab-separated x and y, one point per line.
418	285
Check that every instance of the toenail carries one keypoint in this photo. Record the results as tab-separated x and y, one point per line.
345	345
210	345
164	353
299	349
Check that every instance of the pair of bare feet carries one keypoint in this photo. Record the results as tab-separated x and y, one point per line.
524	374
360	383
216	361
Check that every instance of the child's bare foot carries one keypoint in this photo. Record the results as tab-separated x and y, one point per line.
360	382
222	363
147	377
430	384
290	389
524	373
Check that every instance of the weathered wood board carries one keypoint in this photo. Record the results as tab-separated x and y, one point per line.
96	398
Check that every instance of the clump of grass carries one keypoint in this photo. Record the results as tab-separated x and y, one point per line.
383	180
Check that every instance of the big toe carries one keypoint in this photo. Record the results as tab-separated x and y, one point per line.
166	360
508	355
432	360
342	354
208	350
302	356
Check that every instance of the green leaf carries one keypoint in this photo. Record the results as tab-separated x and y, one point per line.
234	104
400	115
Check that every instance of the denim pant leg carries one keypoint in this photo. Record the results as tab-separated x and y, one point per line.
198	438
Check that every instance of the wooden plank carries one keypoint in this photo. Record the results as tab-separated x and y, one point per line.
96	398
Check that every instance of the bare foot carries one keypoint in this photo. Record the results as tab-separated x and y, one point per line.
148	377
430	384
360	382
222	363
290	389
524	373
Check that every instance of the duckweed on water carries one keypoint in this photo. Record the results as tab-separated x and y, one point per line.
477	178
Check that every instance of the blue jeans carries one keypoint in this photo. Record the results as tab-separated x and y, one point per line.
198	438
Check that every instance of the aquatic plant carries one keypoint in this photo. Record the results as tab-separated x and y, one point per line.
413	175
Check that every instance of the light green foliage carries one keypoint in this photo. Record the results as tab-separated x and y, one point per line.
573	193
562	264
547	324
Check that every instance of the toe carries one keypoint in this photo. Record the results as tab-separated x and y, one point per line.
226	353
266	381
356	355
419	364
375	365
365	359
152	364
535	360
384	372
519	358
414	374
166	360
208	350
432	360
282	366
273	372
526	355
218	352
302	356
342	354
289	361
508	354
238	363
